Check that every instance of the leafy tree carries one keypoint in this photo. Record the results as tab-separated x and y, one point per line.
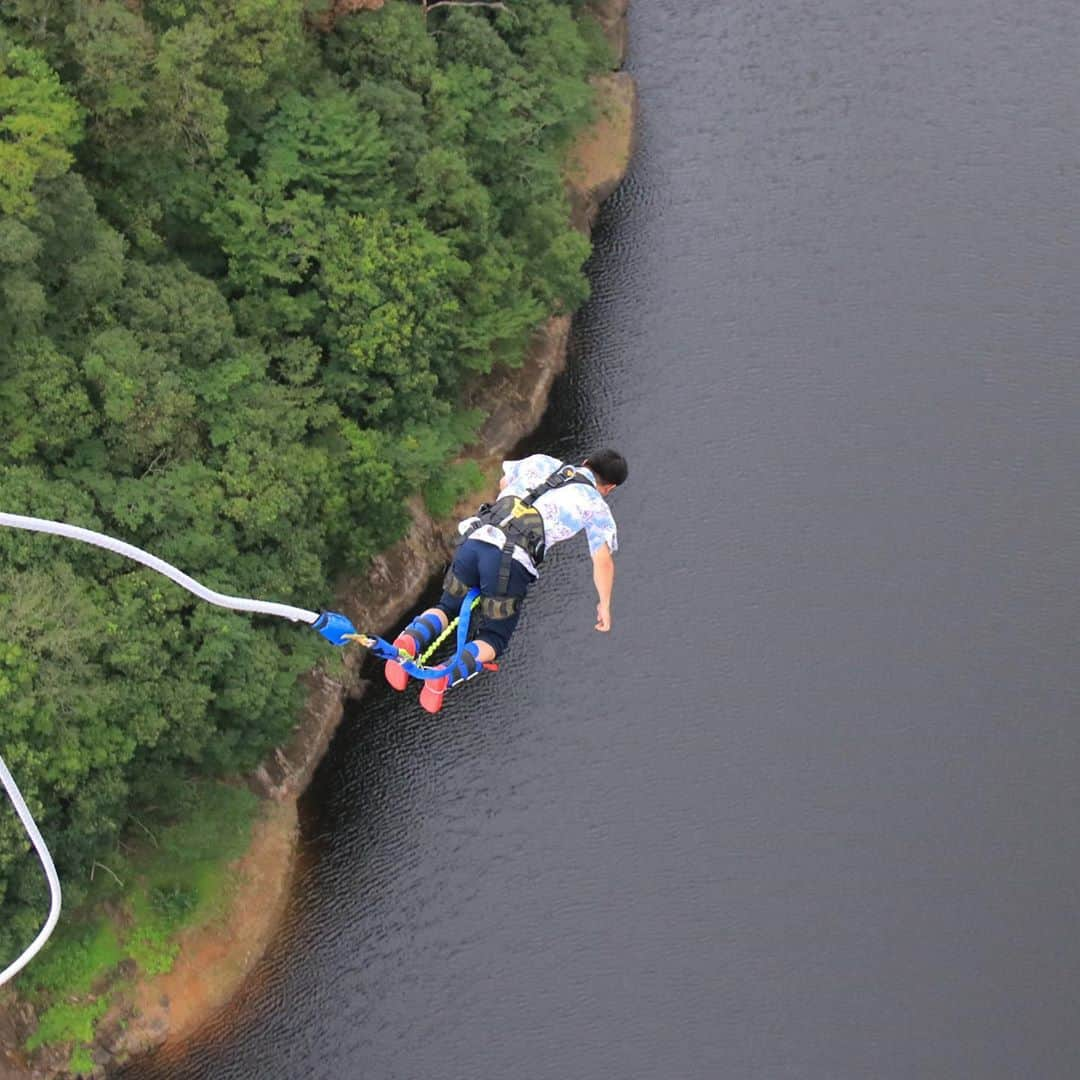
391	312
112	52
23	303
81	261
39	123
452	201
389	45
403	121
258	44
324	143
270	238
44	406
191	114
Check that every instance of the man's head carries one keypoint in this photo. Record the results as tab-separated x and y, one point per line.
610	469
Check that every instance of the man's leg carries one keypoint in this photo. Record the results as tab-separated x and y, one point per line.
485	651
494	636
429	624
424	629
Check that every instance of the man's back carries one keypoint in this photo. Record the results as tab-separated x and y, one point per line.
566	511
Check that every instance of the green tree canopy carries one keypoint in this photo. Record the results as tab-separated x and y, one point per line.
39	124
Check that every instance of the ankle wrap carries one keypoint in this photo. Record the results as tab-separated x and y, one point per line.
465	666
423	630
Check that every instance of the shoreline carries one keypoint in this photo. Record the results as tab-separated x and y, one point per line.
161	1011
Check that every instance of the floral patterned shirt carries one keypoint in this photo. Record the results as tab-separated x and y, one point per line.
566	511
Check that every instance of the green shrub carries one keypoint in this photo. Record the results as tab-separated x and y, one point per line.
75	959
174	903
65	1022
446	489
149	946
81	1063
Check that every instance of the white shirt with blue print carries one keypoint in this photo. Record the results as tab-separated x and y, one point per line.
566	511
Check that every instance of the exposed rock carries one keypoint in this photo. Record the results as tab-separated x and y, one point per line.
288	770
17	1020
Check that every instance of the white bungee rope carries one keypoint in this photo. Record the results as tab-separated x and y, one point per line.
15	795
88	536
334	627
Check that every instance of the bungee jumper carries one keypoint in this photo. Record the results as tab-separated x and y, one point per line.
542	502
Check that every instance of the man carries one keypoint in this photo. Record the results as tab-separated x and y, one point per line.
541	502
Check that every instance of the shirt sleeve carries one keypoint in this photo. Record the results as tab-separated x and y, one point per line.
599	526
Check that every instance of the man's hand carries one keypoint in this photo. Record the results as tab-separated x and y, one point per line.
603	618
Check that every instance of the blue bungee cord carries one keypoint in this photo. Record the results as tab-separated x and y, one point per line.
384	650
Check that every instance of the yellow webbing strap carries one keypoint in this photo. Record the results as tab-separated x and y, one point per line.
431	649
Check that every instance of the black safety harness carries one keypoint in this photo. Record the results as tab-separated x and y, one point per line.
522	526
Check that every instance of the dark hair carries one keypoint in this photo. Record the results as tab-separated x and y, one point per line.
609	466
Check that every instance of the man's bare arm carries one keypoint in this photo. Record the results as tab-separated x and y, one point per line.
604	580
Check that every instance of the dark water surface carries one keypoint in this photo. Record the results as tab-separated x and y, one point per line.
812	810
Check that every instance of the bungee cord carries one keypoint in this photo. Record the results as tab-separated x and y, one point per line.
336	628
88	536
50	874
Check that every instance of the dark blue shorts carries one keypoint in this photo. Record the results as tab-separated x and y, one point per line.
477	565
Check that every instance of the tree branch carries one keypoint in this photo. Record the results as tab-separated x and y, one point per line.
153	838
96	864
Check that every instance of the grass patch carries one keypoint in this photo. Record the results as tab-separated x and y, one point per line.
65	1022
81	1062
75	960
184	880
456	481
177	877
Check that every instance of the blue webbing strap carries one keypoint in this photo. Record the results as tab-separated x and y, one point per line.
465	618
385	651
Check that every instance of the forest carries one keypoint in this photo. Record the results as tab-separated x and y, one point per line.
251	253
